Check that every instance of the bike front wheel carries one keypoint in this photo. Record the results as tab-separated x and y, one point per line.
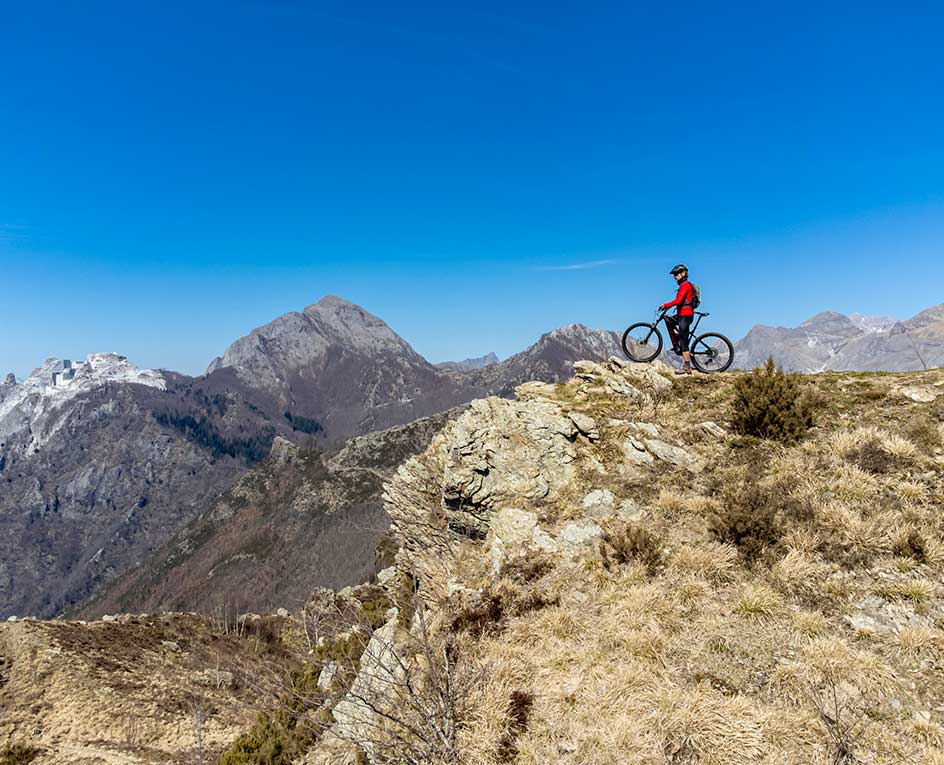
642	342
712	352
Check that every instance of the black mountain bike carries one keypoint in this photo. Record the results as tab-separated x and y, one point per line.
711	352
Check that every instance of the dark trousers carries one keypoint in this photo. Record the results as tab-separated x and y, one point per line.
679	329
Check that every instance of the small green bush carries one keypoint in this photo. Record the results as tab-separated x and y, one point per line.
770	404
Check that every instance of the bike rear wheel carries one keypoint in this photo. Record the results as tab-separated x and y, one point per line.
712	352
642	342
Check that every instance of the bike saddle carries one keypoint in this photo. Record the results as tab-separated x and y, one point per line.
702	313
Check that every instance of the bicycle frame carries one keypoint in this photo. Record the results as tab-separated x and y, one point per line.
691	331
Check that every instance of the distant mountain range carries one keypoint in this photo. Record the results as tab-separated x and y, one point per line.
470	364
834	341
102	463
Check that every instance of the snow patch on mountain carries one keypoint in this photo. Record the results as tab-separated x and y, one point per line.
59	381
872	324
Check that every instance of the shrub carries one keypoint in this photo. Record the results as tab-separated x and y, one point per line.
488	613
872	458
626	543
18	754
284	735
770	404
924	433
753	518
911	545
519	713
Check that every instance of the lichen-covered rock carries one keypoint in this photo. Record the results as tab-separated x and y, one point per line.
579	533
712	429
380	669
513	533
599	504
650	378
920	394
497	452
667	452
635	452
586	425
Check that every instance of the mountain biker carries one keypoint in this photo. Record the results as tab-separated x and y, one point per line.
680	325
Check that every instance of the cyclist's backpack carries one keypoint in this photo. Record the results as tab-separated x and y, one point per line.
696	295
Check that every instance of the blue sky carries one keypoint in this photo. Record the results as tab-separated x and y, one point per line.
174	174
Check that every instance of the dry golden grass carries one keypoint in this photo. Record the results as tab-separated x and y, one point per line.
710	661
758	602
917	591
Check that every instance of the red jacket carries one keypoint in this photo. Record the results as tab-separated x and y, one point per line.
683	299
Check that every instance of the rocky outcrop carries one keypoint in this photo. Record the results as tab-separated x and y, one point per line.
500	453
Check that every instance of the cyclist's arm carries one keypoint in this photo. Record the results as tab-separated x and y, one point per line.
679	299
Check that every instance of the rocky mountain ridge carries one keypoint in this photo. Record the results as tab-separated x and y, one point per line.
834	341
468	365
102	463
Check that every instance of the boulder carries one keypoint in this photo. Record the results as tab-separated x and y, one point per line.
712	429
648	377
471	471
380	671
635	452
676	455
600	503
514	533
921	394
645	429
534	390
580	533
628	510
873	615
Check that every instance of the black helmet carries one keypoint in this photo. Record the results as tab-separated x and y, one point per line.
678	269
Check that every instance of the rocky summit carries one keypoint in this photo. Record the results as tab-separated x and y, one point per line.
605	569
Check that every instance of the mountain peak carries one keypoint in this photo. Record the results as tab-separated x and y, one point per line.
331	302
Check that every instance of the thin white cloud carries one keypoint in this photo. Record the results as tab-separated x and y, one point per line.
582	266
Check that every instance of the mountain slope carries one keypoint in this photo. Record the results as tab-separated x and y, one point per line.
298	521
572	585
833	341
339	366
470	364
98	471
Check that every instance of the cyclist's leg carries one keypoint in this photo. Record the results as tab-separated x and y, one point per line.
672	325
684	332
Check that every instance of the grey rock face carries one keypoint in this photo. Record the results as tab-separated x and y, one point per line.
832	341
338	366
107	484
